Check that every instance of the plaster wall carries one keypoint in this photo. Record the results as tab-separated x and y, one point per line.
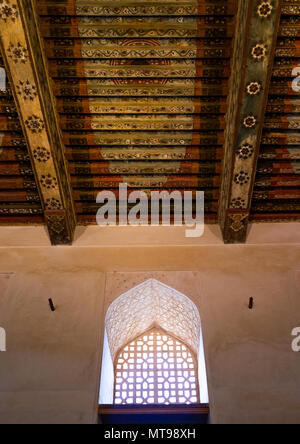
51	370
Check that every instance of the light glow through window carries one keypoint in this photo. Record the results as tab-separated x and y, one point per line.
156	368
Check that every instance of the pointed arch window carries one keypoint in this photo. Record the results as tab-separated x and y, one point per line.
156	368
153	349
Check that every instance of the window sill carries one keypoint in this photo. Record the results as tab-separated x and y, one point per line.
154	414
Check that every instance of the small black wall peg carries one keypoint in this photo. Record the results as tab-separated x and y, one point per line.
52	305
251	303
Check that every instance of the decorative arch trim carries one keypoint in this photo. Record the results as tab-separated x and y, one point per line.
152	304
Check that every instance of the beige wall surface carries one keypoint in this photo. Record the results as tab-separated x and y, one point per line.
51	370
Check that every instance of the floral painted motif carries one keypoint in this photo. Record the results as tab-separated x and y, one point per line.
259	52
265	9
53	204
249	121
238	203
35	124
245	151
254	88
26	90
17	53
242	178
41	154
8	11
48	181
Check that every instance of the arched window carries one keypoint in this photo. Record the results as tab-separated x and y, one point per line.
153	349
156	368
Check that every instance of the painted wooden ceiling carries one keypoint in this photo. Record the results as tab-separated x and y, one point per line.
19	198
277	188
141	90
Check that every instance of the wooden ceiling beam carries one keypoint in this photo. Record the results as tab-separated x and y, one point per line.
254	47
23	54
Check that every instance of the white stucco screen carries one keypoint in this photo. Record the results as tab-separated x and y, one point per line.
143	307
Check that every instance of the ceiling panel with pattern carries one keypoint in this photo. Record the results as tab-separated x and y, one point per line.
277	189
19	197
141	90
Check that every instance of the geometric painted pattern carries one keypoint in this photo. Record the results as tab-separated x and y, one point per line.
141	91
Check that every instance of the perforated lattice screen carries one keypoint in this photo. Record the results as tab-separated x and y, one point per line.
156	369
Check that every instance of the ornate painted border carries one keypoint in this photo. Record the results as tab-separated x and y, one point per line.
25	62
255	40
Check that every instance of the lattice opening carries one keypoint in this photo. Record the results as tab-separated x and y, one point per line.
156	368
